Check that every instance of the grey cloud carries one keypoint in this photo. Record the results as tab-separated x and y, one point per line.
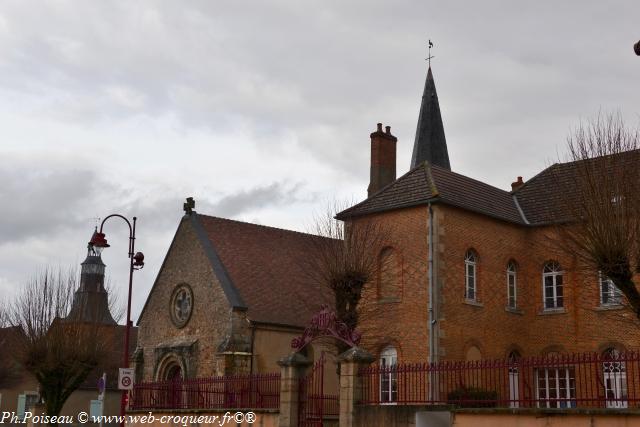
37	203
257	198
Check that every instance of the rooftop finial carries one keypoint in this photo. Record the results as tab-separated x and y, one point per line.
189	205
429	57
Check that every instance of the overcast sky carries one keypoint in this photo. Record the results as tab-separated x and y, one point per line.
262	110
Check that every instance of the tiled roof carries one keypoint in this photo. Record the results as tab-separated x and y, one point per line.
433	183
266	266
544	197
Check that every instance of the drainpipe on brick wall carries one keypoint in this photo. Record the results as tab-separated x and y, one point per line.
253	337
432	320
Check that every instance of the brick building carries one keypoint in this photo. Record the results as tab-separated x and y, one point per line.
476	271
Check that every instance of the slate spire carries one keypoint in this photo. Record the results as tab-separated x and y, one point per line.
430	143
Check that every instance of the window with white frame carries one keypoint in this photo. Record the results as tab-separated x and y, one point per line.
388	375
470	263
609	293
556	387
552	289
511	285
614	377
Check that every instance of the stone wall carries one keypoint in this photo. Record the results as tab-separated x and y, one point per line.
195	345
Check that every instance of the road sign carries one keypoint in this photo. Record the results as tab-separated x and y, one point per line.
125	379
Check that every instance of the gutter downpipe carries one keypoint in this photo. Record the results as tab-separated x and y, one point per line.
432	320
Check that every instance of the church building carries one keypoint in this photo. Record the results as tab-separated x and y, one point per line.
472	271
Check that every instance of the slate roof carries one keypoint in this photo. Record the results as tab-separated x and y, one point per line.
266	266
431	183
540	201
430	143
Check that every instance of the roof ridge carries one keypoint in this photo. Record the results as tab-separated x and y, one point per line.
392	183
472	179
261	225
430	181
533	178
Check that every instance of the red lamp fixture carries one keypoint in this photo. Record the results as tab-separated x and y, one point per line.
98	242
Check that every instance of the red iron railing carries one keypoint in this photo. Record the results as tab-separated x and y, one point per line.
586	380
256	391
313	404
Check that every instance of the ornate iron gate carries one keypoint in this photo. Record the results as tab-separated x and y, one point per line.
314	405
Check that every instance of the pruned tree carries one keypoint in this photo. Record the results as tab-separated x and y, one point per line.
345	260
599	217
57	350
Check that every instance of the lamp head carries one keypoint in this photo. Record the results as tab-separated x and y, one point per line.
97	243
138	260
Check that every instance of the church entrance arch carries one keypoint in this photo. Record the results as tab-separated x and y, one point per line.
172	373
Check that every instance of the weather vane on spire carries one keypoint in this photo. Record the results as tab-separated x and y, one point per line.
429	57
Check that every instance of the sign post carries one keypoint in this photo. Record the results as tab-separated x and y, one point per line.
125	379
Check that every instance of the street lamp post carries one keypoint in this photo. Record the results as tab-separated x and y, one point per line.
136	262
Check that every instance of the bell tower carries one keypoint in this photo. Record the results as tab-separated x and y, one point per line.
91	300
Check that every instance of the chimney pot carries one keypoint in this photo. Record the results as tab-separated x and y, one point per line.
515	185
383	159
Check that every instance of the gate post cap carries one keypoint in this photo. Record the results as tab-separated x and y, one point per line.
356	354
294	359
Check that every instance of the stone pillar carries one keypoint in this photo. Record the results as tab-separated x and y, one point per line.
350	384
292	369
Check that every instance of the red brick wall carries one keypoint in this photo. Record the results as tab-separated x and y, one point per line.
400	321
488	325
582	326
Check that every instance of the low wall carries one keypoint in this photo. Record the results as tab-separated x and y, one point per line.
577	418
188	418
446	416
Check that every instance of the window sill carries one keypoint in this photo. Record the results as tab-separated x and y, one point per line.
473	302
609	307
551	311
513	310
388	300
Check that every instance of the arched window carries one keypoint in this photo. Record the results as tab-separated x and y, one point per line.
470	262
473	353
514	379
609	293
512	280
388	270
552	288
614	375
388	375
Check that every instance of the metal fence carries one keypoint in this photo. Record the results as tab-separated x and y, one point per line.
256	391
587	380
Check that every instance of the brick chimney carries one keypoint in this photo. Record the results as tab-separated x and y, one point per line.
515	185
383	159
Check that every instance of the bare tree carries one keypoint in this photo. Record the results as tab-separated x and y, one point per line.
57	350
600	213
346	259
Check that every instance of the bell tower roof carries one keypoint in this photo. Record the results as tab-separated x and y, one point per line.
430	144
